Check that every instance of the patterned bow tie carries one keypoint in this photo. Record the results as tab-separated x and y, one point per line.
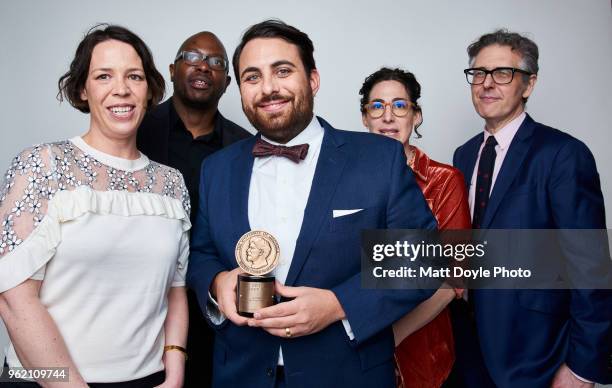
293	153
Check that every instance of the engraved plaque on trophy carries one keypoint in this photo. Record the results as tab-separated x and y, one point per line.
257	254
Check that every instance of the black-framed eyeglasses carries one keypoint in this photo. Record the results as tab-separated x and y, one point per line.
500	75
399	108
194	58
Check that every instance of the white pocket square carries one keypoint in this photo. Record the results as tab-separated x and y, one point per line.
340	213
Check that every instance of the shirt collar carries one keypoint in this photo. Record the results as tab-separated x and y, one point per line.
505	135
311	135
118	163
176	124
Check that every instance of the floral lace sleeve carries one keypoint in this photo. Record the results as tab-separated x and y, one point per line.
175	187
27	187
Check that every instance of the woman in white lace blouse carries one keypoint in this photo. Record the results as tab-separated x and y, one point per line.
94	235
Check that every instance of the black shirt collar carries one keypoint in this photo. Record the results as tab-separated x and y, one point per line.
177	126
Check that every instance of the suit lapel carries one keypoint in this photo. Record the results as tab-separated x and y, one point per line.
469	163
240	179
519	147
329	169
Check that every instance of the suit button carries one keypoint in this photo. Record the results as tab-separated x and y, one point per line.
269	372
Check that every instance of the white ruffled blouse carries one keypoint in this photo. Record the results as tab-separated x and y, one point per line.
108	237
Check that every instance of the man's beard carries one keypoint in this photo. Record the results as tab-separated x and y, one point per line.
283	126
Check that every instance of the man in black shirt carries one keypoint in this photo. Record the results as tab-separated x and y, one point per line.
180	133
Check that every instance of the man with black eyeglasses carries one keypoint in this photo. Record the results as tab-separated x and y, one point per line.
524	175
181	132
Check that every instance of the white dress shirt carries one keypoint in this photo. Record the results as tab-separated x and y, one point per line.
279	191
278	194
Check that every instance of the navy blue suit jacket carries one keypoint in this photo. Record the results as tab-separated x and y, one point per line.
354	171
548	180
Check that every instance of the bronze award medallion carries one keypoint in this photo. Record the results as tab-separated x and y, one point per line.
257	254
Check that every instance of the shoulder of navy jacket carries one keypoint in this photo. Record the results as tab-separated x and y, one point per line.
469	146
332	134
527	128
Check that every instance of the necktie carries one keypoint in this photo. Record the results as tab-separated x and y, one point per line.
483	181
293	153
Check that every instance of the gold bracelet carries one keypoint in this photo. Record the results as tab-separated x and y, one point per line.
176	347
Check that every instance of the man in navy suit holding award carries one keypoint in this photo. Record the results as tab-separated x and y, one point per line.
524	175
314	188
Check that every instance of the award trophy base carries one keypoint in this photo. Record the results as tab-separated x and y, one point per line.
254	293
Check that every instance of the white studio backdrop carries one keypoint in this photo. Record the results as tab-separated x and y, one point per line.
351	38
